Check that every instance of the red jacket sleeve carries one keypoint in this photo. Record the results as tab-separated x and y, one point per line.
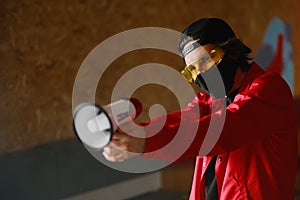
167	135
264	108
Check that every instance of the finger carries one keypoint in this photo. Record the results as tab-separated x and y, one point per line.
115	148
120	136
112	158
117	143
108	150
112	149
116	157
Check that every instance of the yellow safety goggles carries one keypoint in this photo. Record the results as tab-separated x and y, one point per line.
202	64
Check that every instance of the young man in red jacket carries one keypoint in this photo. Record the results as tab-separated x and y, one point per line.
254	149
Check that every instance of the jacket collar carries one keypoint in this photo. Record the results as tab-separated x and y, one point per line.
252	74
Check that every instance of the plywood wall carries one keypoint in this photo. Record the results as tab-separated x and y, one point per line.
43	44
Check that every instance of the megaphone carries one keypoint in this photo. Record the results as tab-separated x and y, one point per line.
95	125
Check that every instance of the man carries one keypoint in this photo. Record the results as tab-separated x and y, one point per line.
255	155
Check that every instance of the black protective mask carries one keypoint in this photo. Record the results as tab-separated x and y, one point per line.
218	81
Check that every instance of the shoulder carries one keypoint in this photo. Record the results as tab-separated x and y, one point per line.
267	81
271	88
271	82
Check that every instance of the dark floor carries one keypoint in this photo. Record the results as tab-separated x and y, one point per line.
162	195
64	169
54	171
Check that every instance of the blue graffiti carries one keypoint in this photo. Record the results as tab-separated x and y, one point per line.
277	31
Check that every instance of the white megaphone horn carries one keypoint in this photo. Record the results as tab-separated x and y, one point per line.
94	125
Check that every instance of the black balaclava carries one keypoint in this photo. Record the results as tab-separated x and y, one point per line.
218	32
227	69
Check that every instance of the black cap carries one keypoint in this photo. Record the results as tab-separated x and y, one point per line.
208	31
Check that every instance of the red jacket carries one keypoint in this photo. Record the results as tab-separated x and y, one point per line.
256	144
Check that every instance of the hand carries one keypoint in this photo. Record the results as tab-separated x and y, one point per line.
124	145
